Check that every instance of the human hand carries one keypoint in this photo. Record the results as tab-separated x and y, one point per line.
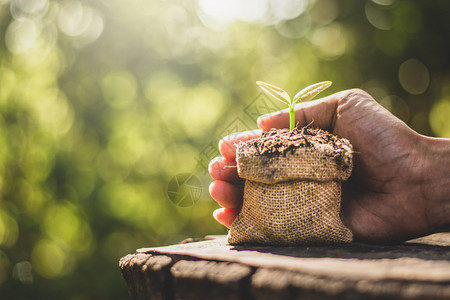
384	199
227	189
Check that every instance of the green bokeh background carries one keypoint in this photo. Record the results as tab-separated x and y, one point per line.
103	102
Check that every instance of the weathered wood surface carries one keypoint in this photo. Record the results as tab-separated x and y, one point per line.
212	269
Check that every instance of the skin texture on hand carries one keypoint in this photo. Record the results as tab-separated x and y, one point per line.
391	195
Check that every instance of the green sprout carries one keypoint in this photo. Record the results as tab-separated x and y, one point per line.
308	93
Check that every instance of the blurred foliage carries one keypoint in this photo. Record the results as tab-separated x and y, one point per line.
103	102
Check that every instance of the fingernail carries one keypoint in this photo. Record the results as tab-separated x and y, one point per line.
213	161
217	212
263	117
269	115
211	185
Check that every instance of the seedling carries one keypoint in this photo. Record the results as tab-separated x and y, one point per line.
306	94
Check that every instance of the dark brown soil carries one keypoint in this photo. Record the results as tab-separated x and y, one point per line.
281	141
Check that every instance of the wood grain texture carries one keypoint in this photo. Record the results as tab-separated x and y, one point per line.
147	276
210	279
212	269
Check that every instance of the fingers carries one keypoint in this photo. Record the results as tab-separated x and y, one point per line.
227	189
227	145
226	216
226	194
321	113
220	169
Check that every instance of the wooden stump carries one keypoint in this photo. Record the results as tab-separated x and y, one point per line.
212	269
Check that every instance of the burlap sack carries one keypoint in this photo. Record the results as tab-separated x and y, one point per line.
292	196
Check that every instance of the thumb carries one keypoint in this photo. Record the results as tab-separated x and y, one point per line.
320	113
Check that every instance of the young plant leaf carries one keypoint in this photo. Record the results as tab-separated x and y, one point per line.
304	95
311	91
275	92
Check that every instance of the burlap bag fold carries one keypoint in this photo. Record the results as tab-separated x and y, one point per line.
292	196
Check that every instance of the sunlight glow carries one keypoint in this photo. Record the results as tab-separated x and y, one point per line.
21	35
226	11
81	22
220	13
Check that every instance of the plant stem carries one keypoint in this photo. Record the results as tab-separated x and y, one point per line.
292	117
